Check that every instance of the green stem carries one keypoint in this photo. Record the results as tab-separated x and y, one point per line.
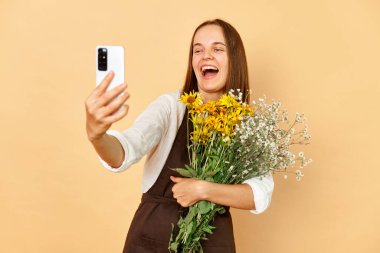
192	245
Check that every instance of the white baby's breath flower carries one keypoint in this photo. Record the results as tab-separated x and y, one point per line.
262	144
299	174
226	139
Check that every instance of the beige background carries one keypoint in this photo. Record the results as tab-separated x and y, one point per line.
318	57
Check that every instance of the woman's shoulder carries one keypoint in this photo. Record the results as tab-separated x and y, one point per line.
170	99
170	102
173	96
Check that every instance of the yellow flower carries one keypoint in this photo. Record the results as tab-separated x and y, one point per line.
248	110
196	119
210	107
191	100
210	122
214	117
228	101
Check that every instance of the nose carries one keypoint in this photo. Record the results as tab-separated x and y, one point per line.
207	54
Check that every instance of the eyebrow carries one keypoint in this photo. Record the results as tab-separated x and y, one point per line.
214	43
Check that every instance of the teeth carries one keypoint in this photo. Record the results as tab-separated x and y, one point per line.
209	67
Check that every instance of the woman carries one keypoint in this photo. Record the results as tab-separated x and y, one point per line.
217	63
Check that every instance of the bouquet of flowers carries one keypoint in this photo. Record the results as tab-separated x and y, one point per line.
232	142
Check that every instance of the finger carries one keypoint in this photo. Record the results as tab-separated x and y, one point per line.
176	179
109	96
102	87
97	102
118	115
114	105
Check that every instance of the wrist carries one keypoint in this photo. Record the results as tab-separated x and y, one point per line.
97	139
206	188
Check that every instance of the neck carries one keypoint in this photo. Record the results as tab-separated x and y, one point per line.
210	96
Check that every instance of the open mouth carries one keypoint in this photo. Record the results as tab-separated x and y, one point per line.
209	71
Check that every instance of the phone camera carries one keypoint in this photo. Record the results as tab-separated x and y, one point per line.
102	59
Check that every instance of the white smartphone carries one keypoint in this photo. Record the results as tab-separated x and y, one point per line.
110	58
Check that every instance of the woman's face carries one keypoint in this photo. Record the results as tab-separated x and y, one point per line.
210	61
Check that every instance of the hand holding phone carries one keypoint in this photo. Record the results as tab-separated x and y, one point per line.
105	105
110	58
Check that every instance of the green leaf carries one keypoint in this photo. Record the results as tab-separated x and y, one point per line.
210	173
189	228
174	246
191	170
207	229
204	206
183	172
192	212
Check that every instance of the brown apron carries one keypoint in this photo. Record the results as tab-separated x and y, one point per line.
151	225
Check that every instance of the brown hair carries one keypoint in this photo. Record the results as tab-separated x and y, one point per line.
237	77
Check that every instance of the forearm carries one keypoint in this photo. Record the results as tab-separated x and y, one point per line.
110	150
237	195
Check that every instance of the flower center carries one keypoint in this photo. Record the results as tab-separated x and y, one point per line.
190	99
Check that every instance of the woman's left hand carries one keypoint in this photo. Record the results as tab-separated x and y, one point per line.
188	191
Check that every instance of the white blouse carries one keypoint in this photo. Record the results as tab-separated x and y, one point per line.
153	134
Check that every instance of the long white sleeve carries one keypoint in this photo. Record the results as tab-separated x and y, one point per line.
143	135
262	192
